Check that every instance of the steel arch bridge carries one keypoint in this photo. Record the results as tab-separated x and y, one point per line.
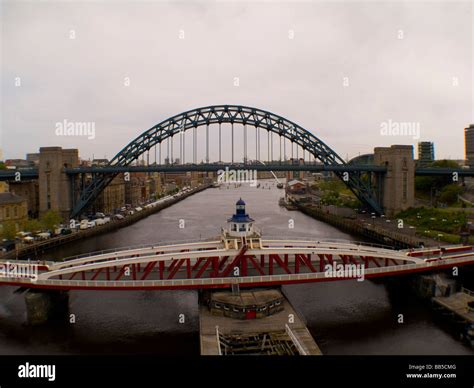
233	114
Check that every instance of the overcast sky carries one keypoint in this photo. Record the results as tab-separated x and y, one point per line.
340	70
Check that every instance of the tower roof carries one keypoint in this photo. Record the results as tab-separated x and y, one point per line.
240	214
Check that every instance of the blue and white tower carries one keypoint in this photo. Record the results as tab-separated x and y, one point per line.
240	224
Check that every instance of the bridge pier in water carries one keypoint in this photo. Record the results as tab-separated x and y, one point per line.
254	321
46	306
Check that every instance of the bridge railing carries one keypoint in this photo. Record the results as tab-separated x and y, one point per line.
336	241
209	239
139	246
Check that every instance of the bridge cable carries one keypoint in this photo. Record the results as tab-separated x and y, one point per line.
207	143
172	149
280	149
220	142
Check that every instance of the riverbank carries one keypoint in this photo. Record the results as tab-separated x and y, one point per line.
366	230
32	251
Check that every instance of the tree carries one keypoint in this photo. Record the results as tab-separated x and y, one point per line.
32	225
449	194
50	219
8	230
427	183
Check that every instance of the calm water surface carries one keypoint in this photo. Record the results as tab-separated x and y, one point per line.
345	317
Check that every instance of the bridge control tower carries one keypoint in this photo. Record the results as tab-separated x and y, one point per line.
240	224
241	229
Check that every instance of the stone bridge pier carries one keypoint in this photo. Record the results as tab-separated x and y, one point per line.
396	188
46	306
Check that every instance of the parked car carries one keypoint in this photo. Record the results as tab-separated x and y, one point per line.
21	235
84	224
7	246
119	217
99	221
44	235
62	231
28	240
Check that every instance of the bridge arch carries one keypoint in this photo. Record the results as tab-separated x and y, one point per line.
234	114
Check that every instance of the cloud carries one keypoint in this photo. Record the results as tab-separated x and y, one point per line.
82	79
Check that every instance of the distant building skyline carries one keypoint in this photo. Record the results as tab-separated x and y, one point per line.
469	144
426	153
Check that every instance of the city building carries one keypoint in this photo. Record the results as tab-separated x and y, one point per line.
100	162
13	208
469	144
28	190
17	163
295	187
33	158
137	189
112	198
425	153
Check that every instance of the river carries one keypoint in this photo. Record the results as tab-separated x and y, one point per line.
345	317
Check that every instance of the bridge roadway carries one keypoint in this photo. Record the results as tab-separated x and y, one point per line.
222	262
32	172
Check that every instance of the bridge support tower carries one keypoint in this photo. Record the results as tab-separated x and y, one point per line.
55	189
46	306
396	188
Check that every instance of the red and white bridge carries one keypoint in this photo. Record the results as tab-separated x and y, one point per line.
238	256
249	262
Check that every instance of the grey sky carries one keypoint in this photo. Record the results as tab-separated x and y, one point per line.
404	80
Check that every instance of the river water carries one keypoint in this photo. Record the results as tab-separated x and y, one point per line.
345	317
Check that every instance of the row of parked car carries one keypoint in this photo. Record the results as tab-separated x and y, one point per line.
91	221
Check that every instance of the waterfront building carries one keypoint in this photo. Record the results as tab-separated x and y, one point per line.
13	208
29	190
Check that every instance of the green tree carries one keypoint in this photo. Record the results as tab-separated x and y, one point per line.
426	183
8	230
32	225
50	219
449	194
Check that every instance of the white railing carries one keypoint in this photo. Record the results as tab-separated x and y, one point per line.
140	246
295	340
313	239
218	339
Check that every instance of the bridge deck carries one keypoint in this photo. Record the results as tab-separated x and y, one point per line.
218	264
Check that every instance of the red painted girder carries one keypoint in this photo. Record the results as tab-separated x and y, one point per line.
149	267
